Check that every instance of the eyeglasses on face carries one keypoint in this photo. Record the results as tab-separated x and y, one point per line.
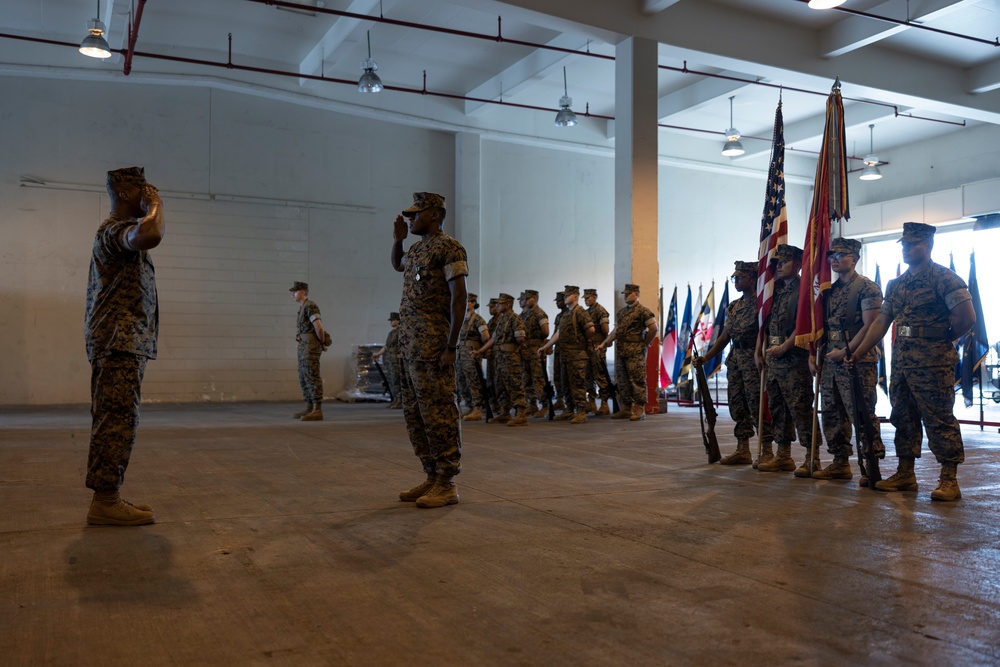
837	256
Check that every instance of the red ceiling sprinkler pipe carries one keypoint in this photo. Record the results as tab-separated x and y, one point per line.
133	35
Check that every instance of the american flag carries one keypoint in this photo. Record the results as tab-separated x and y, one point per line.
774	222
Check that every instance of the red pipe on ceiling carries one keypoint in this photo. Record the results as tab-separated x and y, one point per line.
133	35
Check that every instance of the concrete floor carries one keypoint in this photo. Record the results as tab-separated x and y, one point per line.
282	543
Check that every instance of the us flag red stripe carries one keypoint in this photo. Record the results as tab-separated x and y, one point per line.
774	223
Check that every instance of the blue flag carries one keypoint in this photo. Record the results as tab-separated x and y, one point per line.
683	338
883	380
975	344
961	341
715	363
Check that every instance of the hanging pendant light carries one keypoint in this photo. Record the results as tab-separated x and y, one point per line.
94	45
369	81
733	146
871	172
565	117
825	4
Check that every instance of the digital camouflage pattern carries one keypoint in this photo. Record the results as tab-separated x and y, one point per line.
122	313
573	343
743	390
392	370
631	323
595	369
428	389
115	389
308	353
921	388
470	339
558	369
508	363
534	319
789	382
492	383
835	380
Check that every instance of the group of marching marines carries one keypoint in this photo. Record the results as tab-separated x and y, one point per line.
931	307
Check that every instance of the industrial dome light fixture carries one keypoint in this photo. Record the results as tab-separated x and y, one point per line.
565	117
733	146
825	4
94	45
369	81
871	172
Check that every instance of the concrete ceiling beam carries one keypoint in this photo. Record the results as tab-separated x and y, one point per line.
344	32
656	6
984	78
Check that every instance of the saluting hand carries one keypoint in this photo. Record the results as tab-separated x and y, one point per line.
399	230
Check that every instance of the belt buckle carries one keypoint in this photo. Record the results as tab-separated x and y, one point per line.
906	331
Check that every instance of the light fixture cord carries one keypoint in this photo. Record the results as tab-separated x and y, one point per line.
565	88
731	111
369	33
871	139
98	10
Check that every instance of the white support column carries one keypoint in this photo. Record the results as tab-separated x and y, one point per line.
636	185
468	203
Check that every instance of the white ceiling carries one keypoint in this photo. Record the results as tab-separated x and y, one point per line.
780	42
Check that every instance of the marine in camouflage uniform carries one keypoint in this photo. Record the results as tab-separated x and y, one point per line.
474	334
506	344
573	337
492	383
536	325
789	382
851	305
120	331
595	371
310	334
431	314
558	369
390	353
743	389
932	307
635	329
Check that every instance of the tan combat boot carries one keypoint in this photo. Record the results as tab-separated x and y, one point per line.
474	416
947	488
637	413
443	492
565	415
315	415
624	412
302	413
579	418
499	418
542	413
605	410
740	457
765	455
839	469
809	466
559	404
419	490
903	480
782	462
520	419
108	508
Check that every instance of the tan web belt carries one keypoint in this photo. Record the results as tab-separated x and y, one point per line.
775	340
922	332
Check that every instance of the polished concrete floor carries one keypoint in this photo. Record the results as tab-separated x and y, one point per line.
282	543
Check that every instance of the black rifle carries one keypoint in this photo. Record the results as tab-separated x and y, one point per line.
612	387
484	388
385	380
550	391
707	413
864	429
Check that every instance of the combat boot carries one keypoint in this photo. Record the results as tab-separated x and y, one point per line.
740	457
579	418
782	462
592	406
520	419
903	480
637	413
559	404
564	416
499	418
419	490
397	404
443	492
765	455
604	411
839	469
314	415
624	412
809	466
947	488
474	416
302	413
542	413
108	508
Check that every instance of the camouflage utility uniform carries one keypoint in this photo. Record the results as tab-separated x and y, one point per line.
559	380
923	360
789	382
121	325
470	339
595	369
573	344
309	350
492	383
743	390
429	402
392	370
631	323
507	350
534	319
835	381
